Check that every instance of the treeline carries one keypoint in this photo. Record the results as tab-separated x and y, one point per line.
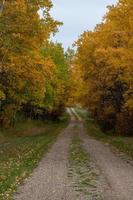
34	72
104	69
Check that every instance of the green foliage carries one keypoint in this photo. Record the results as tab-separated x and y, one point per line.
57	90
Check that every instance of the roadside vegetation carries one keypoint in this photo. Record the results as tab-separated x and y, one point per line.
22	148
122	143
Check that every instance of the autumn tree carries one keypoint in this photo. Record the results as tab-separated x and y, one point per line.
105	60
22	68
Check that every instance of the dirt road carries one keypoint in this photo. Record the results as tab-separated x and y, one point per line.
50	179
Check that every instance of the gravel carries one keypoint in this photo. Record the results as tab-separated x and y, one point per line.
118	173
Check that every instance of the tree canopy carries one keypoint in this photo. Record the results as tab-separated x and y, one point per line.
28	76
104	64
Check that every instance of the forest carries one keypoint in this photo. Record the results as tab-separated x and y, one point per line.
38	78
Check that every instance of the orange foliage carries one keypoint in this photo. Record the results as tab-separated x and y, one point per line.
105	58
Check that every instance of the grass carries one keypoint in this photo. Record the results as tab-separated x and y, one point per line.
77	153
21	149
21	129
82	173
123	144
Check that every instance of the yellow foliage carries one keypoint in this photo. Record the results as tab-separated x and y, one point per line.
105	59
23	70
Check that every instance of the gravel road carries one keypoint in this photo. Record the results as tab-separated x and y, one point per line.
50	180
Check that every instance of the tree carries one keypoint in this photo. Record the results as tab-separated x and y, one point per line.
105	60
22	68
57	91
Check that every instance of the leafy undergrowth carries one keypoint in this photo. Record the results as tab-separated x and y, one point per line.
123	144
85	177
21	154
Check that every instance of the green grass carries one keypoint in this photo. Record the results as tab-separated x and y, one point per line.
123	144
20	153
22	128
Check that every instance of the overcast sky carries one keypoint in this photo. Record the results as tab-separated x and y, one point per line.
77	16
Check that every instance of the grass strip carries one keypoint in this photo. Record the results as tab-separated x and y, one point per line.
84	176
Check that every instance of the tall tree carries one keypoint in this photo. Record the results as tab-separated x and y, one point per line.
22	68
105	59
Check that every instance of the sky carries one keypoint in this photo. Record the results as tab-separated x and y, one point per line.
77	16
